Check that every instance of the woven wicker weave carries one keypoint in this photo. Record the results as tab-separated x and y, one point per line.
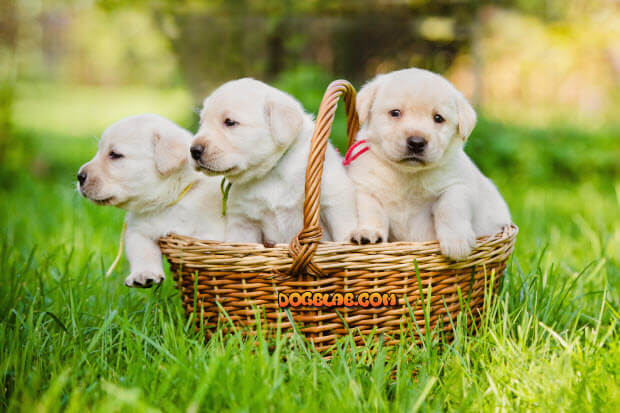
243	277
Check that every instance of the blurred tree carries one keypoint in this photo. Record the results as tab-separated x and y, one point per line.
352	39
8	43
216	40
523	52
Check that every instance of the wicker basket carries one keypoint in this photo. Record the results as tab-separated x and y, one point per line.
241	277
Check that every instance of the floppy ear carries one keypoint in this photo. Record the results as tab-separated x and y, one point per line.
171	152
365	98
284	120
467	116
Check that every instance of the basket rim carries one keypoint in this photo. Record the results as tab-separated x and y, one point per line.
389	256
510	231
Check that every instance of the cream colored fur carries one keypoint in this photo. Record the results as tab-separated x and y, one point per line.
258	137
146	180
436	193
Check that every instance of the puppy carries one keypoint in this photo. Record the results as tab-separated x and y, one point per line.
415	183
258	137
142	167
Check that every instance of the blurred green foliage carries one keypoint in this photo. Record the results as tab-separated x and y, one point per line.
57	125
7	96
553	154
521	60
8	44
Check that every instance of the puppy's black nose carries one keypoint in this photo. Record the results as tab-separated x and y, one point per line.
416	144
81	177
196	151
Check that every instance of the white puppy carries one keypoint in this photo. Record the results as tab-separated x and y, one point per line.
142	167
258	137
416	183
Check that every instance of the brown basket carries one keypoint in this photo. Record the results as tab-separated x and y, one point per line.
241	277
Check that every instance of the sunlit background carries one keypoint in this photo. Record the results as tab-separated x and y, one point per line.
74	66
544	76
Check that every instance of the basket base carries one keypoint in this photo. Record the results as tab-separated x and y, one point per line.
393	288
215	301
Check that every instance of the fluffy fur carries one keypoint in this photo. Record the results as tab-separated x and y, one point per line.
142	167
258	137
416	183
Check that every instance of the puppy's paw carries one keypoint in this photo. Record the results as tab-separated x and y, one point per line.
457	247
367	236
145	279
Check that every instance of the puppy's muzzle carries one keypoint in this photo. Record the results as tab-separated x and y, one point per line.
81	177
416	144
197	151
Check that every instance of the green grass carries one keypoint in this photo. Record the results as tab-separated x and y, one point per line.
73	340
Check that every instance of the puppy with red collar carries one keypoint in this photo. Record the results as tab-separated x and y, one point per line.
415	182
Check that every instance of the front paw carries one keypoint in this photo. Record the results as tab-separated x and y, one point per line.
367	236
457	247
145	279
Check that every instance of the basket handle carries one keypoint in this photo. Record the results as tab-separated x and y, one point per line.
303	246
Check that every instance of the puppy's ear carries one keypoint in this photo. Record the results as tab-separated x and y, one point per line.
365	98
284	120
171	152
466	115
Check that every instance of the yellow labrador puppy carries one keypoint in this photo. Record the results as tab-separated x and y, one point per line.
258	137
142	167
415	182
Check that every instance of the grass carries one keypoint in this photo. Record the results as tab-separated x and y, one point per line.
72	340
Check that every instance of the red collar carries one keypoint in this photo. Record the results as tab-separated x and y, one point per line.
352	155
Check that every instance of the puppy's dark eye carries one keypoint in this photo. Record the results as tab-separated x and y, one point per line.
395	113
438	118
230	123
115	155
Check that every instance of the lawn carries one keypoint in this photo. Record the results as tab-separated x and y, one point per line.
72	340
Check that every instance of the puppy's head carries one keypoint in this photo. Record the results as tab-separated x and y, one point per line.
245	127
135	155
413	117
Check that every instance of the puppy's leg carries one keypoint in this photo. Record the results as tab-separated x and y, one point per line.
373	223
239	229
338	212
340	218
144	258
453	223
